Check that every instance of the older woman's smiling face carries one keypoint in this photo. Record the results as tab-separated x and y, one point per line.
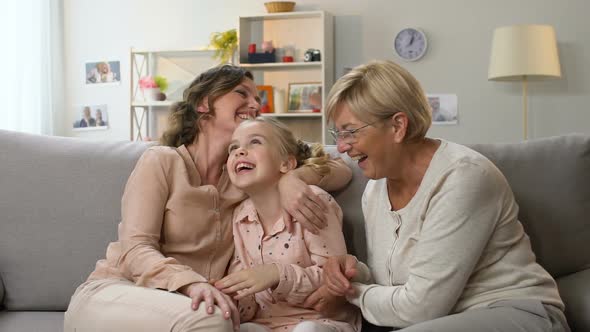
368	146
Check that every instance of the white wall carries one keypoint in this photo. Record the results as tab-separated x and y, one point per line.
459	33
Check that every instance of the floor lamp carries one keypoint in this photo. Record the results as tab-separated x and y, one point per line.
524	53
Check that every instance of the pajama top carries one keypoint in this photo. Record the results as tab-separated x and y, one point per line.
299	257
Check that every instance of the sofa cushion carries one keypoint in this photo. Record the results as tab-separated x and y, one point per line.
349	200
1	292
550	178
60	202
31	321
575	292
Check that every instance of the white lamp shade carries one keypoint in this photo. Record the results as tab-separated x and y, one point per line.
524	51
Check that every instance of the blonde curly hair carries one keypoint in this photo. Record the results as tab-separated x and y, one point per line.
312	155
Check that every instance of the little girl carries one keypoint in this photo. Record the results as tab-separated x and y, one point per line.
273	271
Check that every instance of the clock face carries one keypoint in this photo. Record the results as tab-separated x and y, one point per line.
410	44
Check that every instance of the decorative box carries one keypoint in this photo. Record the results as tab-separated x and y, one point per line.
262	57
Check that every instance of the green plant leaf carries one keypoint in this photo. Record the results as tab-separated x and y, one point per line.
161	82
224	43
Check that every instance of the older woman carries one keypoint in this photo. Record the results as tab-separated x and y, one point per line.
175	237
445	248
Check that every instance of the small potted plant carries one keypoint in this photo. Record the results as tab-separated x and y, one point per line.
153	87
225	44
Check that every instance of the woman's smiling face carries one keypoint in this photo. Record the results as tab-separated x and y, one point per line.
369	146
231	109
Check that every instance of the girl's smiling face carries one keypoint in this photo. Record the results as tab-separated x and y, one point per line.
254	160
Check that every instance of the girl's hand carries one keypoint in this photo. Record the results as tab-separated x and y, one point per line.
299	202
201	291
250	281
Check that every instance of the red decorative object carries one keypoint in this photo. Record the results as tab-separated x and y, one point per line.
252	48
287	59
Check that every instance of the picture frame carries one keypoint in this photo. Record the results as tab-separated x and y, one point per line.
444	108
304	97
102	72
91	117
265	92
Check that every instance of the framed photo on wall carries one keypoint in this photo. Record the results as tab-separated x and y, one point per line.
444	108
305	97
265	93
103	72
91	117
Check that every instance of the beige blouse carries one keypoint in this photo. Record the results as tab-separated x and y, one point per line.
174	230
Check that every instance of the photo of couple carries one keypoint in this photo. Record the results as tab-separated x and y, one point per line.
92	117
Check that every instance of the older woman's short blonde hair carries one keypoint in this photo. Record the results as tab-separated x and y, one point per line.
378	90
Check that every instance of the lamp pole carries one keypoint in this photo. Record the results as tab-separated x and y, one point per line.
524	107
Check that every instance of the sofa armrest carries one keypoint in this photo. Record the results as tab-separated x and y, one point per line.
575	293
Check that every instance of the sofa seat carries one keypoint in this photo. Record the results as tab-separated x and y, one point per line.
31	321
576	298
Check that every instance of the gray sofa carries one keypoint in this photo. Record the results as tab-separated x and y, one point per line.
60	204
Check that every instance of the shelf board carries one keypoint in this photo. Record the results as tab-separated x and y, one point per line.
282	16
150	103
293	115
281	65
163	51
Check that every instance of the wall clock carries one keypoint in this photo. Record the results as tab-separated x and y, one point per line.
410	44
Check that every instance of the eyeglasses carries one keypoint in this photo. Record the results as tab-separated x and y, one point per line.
347	136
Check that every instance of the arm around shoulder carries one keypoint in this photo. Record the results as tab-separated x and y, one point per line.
339	176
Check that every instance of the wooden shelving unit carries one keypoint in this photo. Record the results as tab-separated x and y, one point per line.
179	66
301	30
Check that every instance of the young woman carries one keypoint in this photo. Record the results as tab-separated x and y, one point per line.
175	235
273	271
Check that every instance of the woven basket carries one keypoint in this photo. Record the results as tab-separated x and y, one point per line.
279	6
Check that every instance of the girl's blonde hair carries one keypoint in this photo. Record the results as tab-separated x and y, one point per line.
378	90
306	155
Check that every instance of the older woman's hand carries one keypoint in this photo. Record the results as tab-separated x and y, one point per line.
325	302
204	292
338	271
300	203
